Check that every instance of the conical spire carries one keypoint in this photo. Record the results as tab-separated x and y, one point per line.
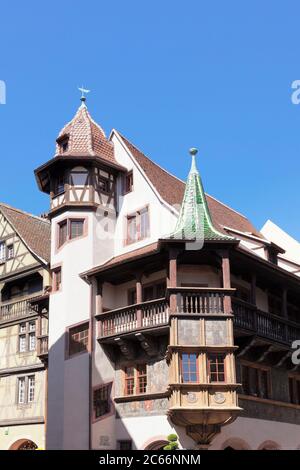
194	221
84	137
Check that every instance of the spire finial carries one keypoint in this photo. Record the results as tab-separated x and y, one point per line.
84	91
193	152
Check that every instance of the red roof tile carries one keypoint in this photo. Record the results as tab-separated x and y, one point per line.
34	231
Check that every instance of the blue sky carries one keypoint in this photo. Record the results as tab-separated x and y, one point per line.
169	75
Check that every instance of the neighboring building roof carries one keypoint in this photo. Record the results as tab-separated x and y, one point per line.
85	138
171	189
276	235
34	231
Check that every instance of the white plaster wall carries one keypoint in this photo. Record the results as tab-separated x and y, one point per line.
162	220
256	431
69	379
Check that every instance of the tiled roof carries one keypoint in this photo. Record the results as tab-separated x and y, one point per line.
85	138
34	231
171	189
129	256
194	221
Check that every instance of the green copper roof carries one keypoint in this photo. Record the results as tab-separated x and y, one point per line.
194	221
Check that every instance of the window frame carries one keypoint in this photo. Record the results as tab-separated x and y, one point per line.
27	333
135	379
259	370
83	324
190	353
108	386
67	222
9	247
137	217
27	389
79	171
128	188
294	389
2	252
57	274
217	372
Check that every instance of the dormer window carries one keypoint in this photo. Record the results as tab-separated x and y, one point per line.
63	143
79	176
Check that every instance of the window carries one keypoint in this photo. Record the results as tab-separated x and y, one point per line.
138	225
76	228
70	229
2	252
10	251
129	381
27	337
189	368
31	389
216	367
59	184
102	401
128	182
153	291
26	389
56	279
63	142
22	343
79	177
142	378
275	303
104	184
124	445
78	339
135	379
294	389
255	381
63	232
21	390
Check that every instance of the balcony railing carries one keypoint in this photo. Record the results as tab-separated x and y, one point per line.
42	345
14	310
249	317
124	320
200	300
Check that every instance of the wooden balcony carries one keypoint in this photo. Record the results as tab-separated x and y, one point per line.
250	319
11	311
147	315
201	300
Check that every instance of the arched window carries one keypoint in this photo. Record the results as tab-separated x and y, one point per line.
23	444
79	176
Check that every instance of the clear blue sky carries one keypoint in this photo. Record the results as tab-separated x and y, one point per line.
169	75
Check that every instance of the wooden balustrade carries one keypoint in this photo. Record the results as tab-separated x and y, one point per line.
264	324
14	310
200	300
124	320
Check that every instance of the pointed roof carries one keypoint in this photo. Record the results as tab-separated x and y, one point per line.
194	221
85	138
172	189
34	231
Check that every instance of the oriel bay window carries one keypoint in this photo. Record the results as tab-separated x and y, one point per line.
138	226
135	379
102	404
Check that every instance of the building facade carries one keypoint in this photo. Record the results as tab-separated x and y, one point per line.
24	279
169	312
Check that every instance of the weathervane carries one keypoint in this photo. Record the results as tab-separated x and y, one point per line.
84	91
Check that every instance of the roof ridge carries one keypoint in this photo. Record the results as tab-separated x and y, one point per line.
40	219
